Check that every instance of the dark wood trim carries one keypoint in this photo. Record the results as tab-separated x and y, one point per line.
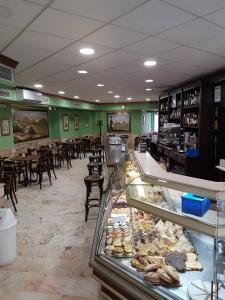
8	61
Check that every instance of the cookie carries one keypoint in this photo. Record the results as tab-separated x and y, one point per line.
164	276
191	256
172	272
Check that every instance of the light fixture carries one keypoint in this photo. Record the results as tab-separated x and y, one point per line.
129	98
100	84
76	97
82	72
110	92
97	100
149	80
148	99
49	108
116	96
148	89
38	85
150	63
39	94
61	92
87	51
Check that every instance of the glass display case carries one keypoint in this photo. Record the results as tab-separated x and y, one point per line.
161	236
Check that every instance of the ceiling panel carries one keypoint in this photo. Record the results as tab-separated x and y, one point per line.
154	17
151	46
41	41
7	34
115	37
217	17
65	25
26	56
193	32
40	2
214	45
199	7
17	13
97	9
194	57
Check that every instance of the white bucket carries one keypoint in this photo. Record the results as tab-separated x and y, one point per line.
8	224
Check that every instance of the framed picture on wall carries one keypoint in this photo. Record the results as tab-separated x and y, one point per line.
76	122
5	127
118	121
66	122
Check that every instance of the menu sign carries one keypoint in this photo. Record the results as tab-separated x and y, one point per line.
217	93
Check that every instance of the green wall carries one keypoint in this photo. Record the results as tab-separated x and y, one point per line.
89	114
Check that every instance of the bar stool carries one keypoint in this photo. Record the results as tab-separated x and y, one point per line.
95	168
93	199
95	158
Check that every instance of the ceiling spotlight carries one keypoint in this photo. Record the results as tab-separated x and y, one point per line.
97	100
110	92
82	72
100	84
76	97
87	51
116	96
149	80
38	85
148	99
150	63
148	90
61	92
129	98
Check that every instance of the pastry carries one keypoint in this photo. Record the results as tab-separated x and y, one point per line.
176	260
159	260
172	272
152	267
164	276
117	243
152	277
136	264
109	249
192	265
184	246
199	290
191	256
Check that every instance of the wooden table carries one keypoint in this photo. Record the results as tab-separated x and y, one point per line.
25	160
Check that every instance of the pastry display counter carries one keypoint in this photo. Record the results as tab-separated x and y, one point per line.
151	240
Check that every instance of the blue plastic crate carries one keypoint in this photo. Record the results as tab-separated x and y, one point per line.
194	205
192	153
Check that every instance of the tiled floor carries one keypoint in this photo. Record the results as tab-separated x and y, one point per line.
54	242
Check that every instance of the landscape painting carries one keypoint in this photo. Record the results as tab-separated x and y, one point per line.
118	121
29	125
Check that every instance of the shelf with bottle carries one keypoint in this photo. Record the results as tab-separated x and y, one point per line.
190	120
175	113
163	119
163	106
191	98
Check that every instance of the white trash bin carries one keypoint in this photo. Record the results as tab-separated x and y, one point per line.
7	236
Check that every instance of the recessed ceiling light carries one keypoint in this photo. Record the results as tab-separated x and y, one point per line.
110	92
97	100
82	72
100	84
61	92
39	94
148	90
150	63
76	97
148	99
149	80
38	85
129	98
116	96
87	51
